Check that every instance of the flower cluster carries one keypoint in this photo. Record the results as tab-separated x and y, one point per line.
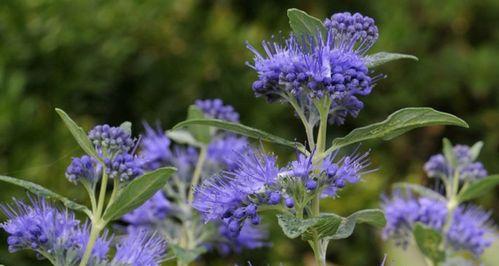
57	235
469	226
111	140
234	197
307	68
140	247
84	168
330	176
164	209
215	108
115	147
465	165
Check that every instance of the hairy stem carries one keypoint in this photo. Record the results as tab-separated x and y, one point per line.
197	173
308	129
319	246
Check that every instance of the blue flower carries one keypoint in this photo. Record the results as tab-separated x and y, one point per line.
47	230
140	247
111	140
84	168
468	170
125	167
234	197
155	149
215	108
470	230
152	211
224	151
184	159
403	212
313	67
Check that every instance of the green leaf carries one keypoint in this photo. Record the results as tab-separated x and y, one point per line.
243	130
478	188
448	151
200	132
292	226
78	133
475	149
127	127
182	137
380	58
397	124
187	255
374	217
303	24
326	225
428	241
46	193
137	192
423	191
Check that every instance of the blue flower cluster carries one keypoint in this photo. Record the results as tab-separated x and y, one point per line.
115	147
235	196
84	168
157	151
331	176
312	67
215	108
466	167
140	247
57	235
469	228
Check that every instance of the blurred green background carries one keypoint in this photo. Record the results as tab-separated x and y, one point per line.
111	61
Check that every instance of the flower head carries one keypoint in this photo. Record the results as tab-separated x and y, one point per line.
141	248
470	230
403	212
111	140
155	148
224	151
83	168
125	167
39	226
465	165
315	67
215	108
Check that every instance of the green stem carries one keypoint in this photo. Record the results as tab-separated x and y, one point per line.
97	223
94	233
91	195
308	129
197	173
319	246
116	187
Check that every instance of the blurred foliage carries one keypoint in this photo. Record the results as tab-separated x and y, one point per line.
110	61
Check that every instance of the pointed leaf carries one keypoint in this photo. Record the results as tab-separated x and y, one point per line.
478	188
200	132
374	217
326	225
127	127
46	193
182	137
448	151
303	24
137	192
78	133
475	149
397	124
423	191
243	130
428	241
292	226
380	58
